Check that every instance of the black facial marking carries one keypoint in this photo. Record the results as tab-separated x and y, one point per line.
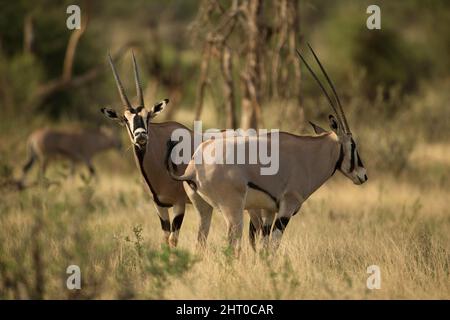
281	223
333	123
360	164
340	159
352	156
157	107
109	112
138	122
177	222
128	126
165	224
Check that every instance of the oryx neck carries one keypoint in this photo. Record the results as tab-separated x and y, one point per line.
140	154
324	160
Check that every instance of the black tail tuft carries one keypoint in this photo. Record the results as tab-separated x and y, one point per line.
171	167
170	145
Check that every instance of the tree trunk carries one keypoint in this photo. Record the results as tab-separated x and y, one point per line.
228	90
250	77
28	35
73	43
204	67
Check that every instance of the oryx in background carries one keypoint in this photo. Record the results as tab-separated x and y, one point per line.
76	145
150	148
305	164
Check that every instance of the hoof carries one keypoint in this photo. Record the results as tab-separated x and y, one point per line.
173	240
165	239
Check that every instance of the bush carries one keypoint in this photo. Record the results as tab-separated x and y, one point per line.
19	77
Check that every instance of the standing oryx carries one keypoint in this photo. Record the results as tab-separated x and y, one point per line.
150	149
305	163
149	140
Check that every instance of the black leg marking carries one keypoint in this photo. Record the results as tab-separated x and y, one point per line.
281	223
252	234
266	230
28	165
165	224
91	170
177	222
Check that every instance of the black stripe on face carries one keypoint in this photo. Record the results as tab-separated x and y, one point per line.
352	158
138	122
360	164
339	162
128	126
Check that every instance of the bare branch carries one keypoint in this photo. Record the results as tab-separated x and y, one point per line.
73	43
204	67
53	86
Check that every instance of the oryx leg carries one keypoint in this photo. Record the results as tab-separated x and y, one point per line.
233	213
254	226
90	167
178	212
31	160
289	205
268	219
43	168
204	210
163	214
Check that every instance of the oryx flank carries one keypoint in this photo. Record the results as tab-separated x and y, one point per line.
305	163
150	149
76	145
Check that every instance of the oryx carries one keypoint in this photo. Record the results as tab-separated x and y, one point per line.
150	144
305	163
77	145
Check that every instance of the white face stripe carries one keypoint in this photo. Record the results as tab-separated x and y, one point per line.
139	130
137	126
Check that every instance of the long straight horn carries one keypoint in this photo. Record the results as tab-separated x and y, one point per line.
346	127
138	82
320	85
123	96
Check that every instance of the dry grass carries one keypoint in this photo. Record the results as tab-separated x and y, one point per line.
342	229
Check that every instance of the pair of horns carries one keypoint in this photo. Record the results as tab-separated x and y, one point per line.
341	117
122	93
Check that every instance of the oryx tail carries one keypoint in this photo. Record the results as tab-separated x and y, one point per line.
189	174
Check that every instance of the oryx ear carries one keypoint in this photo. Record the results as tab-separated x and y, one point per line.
111	114
333	123
158	108
317	129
